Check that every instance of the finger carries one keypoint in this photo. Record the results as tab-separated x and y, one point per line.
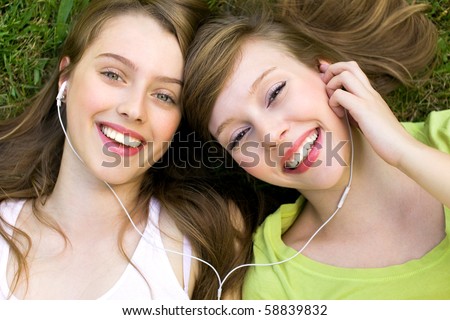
347	81
335	69
323	67
342	99
338	110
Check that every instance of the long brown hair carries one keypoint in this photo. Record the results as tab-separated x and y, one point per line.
390	40
31	149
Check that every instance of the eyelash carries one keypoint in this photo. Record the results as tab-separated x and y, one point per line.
111	75
234	142
272	96
273	93
114	76
164	97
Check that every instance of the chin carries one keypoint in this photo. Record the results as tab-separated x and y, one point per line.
119	177
334	178
325	178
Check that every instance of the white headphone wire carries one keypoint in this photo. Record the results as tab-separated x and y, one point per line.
221	282
338	207
59	105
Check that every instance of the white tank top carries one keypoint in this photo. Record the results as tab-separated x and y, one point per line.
149	257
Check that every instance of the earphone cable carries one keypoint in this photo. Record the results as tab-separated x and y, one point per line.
59	105
338	207
221	282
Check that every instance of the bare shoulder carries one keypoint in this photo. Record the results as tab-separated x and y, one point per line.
172	239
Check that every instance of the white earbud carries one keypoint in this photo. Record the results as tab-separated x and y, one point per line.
59	98
60	95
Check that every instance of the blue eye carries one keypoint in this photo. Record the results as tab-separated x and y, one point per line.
274	92
165	98
235	141
111	75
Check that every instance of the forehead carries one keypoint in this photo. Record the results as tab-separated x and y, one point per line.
256	55
141	39
254	59
125	28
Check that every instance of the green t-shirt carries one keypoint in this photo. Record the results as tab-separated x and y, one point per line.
302	278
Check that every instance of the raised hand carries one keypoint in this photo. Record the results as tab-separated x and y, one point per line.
349	88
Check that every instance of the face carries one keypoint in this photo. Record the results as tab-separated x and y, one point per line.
274	119
122	98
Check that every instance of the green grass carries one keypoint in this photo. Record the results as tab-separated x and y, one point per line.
413	104
31	32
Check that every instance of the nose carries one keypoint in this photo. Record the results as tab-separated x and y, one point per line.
133	108
272	132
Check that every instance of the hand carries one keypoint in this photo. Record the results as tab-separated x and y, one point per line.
349	88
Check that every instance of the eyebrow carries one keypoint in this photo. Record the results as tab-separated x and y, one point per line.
119	58
131	65
253	88
223	125
260	79
170	80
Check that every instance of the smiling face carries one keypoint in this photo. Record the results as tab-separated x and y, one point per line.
122	98
273	117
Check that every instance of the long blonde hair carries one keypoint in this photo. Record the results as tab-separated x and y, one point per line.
31	149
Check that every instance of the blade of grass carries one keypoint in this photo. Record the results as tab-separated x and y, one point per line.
61	20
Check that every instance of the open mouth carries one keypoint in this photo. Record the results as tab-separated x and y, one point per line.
302	151
124	139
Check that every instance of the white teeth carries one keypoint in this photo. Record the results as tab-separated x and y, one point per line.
292	164
120	137
303	152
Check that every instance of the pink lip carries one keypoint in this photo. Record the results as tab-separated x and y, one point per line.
312	156
295	146
116	147
124	131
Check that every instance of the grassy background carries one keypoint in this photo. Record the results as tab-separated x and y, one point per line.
32	30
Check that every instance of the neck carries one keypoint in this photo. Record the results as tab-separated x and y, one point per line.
371	181
79	195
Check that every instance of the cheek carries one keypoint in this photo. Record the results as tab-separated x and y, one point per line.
318	105
165	124
86	99
256	172
81	113
254	162
161	129
311	97
264	173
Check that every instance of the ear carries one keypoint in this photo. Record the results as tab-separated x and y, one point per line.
65	61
